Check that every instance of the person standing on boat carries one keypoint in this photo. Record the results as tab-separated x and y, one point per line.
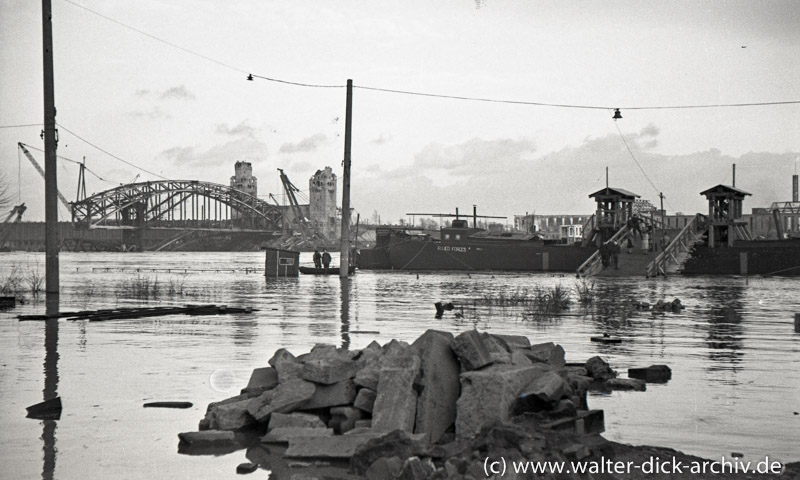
317	259
326	259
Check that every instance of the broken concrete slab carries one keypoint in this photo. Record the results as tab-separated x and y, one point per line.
295	420
626	384
436	405
368	376
542	393
339	393
285	398
322	448
514	342
343	419
471	350
498	350
365	400
287	434
487	395
651	374
208	438
384	468
395	405
547	352
394	444
327	365
261	379
228	416
286	364
599	369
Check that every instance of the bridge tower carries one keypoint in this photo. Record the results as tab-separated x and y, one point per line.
244	181
322	202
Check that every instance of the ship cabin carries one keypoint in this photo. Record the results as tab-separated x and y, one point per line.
614	209
460	231
725	216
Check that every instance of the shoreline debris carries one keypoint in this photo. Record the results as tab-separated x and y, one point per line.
423	408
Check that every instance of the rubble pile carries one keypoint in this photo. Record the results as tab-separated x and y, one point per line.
431	409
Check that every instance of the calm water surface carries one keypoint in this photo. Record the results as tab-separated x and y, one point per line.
733	354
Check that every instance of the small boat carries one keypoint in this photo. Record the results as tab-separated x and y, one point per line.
322	271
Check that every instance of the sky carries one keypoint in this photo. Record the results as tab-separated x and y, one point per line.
152	89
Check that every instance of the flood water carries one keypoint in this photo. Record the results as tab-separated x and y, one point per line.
733	352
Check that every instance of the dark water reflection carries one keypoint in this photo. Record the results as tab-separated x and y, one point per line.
732	351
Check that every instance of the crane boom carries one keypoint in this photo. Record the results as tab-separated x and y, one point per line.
41	172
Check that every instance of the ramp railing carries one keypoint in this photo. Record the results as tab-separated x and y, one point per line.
594	263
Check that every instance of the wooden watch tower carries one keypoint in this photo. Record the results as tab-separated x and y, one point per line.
725	223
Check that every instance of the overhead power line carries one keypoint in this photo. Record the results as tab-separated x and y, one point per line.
21	126
109	153
252	76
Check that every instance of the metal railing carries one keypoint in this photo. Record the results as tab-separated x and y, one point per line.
681	242
593	264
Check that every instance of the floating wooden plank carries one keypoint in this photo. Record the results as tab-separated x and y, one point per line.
168	405
141	312
606	339
47	410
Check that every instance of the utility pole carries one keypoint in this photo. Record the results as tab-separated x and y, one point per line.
50	179
344	262
663	226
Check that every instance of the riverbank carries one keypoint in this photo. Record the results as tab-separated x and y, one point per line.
473	405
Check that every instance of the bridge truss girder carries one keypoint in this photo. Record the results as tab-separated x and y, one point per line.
175	201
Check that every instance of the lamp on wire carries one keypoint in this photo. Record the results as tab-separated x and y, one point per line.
617	115
250	77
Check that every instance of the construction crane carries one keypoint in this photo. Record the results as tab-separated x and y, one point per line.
41	172
289	187
18	210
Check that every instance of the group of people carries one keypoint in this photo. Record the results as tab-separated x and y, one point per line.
322	260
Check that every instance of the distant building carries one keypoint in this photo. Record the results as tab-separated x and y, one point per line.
322	202
567	228
244	181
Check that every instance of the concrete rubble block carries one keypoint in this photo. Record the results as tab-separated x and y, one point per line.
651	374
286	364
369	354
394	444
339	393
287	434
498	350
547	352
586	422
487	395
598	369
285	398
394	348
295	420
327	365
395	405
363	423
415	469
343	419
436	405
237	398
626	384
327	448
519	358
228	416
368	377
543	393
471	350
261	379
209	438
384	468
514	342
365	400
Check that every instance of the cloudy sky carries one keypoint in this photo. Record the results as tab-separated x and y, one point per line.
161	85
